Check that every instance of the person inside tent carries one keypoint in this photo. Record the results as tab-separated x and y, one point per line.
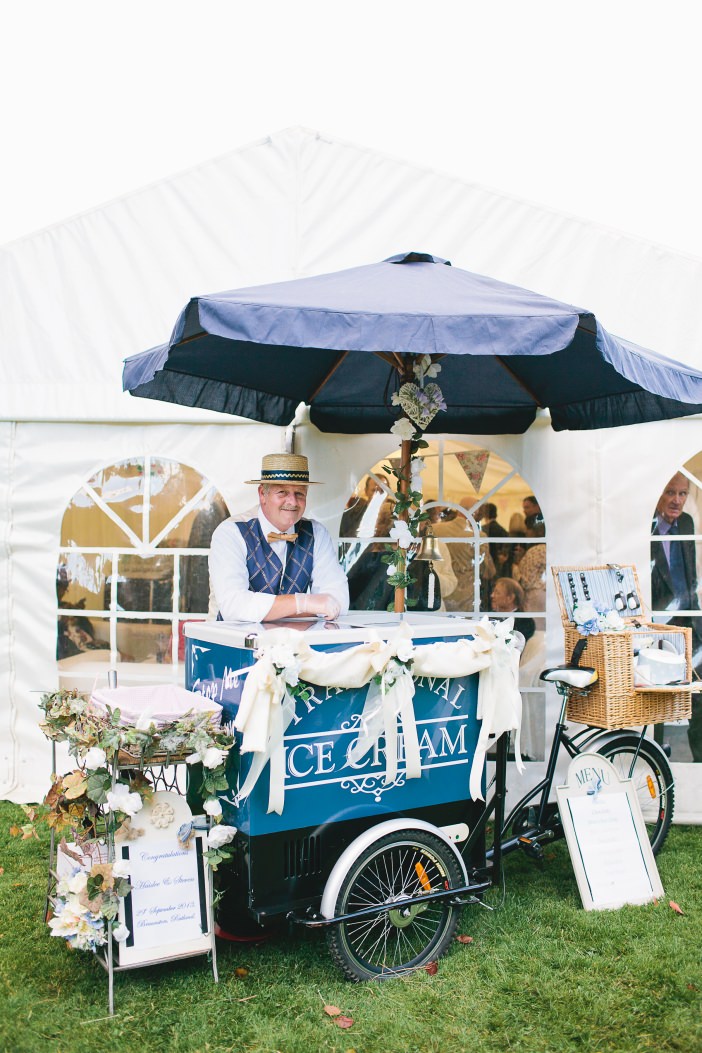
277	564
674	585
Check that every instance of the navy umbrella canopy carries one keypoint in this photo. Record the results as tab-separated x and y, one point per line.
343	342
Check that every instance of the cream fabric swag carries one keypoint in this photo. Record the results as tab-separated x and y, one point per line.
267	705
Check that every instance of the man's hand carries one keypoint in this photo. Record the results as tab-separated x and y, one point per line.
320	604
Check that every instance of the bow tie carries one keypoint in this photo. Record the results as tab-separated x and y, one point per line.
275	536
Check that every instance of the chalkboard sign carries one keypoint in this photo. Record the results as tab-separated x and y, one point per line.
606	836
168	910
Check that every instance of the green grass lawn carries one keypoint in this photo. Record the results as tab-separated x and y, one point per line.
540	975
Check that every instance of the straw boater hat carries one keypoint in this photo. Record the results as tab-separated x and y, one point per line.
285	468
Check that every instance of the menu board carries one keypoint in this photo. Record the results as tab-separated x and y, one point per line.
606	836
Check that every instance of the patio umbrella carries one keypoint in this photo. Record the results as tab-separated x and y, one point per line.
345	343
342	342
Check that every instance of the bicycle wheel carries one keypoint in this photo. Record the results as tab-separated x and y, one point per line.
406	864
652	779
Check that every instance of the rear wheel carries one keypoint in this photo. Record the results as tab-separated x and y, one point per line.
652	778
405	865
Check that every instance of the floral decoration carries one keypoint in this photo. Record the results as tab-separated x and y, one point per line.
420	402
591	619
87	903
83	805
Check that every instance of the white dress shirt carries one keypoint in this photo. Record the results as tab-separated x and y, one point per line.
231	592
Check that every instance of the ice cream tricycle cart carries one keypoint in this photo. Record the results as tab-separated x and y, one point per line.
357	798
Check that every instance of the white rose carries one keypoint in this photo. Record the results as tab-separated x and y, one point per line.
401	533
213	757
403	429
121	800
120	933
220	835
78	882
584	612
405	650
212	806
120	868
95	758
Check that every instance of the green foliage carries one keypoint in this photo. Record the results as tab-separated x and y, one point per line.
541	976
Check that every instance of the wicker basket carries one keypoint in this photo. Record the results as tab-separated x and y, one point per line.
614	701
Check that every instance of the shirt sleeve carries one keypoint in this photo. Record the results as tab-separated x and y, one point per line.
229	578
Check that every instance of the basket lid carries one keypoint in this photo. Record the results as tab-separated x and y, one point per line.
613	586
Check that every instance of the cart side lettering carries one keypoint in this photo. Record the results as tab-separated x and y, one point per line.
442	687
457	746
318	756
206	688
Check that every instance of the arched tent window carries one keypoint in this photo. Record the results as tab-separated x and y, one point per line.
132	568
485	518
676	575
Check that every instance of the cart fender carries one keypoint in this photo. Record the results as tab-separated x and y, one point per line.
362	842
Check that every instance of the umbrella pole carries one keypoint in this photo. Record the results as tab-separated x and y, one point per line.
403	488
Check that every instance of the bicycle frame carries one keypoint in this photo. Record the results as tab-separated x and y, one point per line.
539	830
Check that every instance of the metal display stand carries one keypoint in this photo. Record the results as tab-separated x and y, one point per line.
163	772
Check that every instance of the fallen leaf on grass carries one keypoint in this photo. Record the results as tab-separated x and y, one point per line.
343	1021
464	939
241	971
332	1010
691	987
674	906
432	968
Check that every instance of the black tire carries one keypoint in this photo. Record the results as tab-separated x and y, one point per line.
400	865
652	778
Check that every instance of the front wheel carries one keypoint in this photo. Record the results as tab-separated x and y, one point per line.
652	777
404	865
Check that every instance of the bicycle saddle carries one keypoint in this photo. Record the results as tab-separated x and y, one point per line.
575	676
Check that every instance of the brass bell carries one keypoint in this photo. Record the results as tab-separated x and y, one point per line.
429	547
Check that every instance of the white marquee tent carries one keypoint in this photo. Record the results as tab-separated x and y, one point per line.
81	296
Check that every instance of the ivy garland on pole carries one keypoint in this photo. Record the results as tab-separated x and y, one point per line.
420	402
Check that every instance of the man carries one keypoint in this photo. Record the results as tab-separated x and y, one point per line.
531	507
277	564
508	597
674	582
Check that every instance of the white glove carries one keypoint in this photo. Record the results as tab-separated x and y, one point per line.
320	604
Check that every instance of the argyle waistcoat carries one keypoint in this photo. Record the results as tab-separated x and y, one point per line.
265	569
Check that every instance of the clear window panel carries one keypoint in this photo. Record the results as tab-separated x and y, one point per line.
196	529
82	639
121	487
81	578
172	486
676	574
533	731
145	641
85	525
145	583
194	585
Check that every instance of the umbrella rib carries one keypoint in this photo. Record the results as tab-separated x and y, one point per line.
523	386
325	379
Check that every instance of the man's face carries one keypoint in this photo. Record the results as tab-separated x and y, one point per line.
531	508
672	500
502	600
283	505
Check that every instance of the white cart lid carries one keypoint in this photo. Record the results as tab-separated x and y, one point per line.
354	627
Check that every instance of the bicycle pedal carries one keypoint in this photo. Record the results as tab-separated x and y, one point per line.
531	847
